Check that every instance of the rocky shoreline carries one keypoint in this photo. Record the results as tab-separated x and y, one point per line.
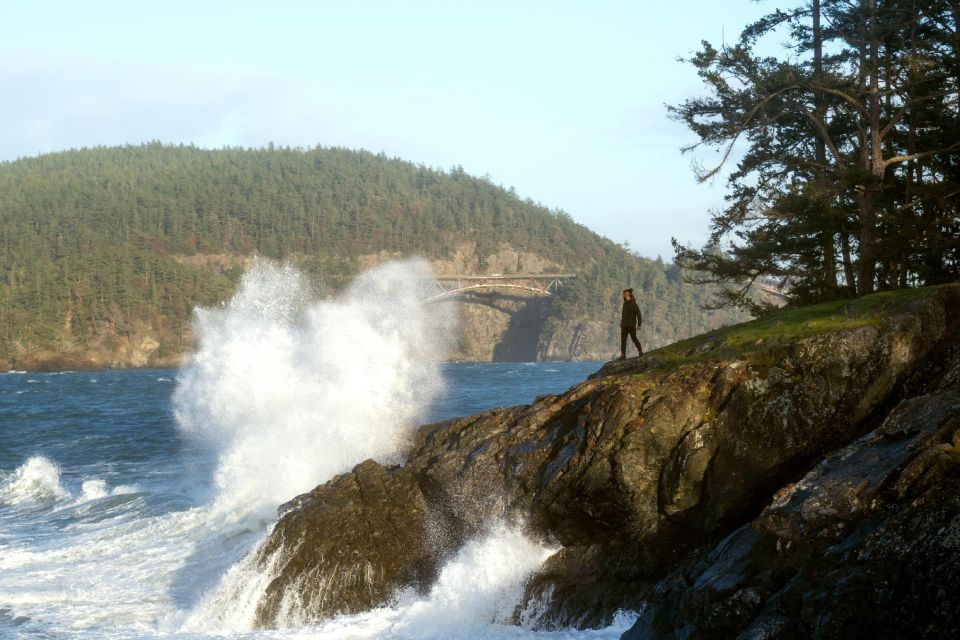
790	477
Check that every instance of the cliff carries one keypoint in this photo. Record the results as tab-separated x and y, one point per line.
790	477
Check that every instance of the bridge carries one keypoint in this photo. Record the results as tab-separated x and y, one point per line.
544	284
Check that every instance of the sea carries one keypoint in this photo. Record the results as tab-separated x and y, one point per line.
131	500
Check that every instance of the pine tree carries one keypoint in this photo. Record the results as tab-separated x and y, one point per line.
850	141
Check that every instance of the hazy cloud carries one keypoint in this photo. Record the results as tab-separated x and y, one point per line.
55	104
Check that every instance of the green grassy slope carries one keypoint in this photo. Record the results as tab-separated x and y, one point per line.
763	342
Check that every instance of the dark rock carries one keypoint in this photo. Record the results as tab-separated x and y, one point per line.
867	544
349	545
637	469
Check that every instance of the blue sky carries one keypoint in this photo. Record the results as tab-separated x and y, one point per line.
561	100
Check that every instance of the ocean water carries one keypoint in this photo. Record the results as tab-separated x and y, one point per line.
129	500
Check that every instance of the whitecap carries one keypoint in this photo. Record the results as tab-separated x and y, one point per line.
93	490
96	489
36	480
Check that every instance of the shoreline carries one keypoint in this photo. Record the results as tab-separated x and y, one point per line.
170	367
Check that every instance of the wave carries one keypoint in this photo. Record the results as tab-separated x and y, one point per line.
96	489
35	481
481	585
287	391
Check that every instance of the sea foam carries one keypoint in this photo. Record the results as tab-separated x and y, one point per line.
287	391
481	585
36	480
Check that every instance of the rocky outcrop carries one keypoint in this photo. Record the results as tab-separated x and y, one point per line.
494	326
639	469
355	541
867	544
142	348
584	339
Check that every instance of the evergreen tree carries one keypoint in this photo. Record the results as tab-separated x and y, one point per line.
851	150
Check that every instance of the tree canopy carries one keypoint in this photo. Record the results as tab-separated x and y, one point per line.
850	170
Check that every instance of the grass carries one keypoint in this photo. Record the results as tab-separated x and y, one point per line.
759	341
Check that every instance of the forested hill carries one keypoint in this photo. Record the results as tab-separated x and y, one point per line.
105	252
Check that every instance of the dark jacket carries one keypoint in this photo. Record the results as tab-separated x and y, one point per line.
630	316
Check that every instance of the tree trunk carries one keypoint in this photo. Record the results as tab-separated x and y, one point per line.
955	10
826	235
867	260
848	270
874	164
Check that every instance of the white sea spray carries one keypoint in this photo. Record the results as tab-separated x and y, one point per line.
288	391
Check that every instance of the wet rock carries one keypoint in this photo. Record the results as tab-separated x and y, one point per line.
859	547
347	547
639	469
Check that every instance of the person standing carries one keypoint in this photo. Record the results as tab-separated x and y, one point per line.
630	320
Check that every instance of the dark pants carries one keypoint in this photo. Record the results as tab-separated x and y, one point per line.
632	332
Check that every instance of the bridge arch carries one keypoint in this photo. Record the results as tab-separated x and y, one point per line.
446	287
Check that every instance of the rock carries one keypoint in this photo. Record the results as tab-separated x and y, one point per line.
106	350
861	546
639	469
142	351
348	546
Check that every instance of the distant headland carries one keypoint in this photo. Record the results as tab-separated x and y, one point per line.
107	251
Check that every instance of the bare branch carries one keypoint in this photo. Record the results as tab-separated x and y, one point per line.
853	102
906	106
824	135
917	156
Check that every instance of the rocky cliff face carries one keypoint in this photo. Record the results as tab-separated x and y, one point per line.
721	486
508	326
866	544
498	327
140	348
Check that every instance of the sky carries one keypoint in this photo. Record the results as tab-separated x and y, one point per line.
562	100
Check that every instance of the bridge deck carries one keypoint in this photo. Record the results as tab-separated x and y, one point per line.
509	276
545	284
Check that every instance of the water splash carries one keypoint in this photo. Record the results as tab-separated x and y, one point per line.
288	391
36	480
97	489
481	585
476	596
232	605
